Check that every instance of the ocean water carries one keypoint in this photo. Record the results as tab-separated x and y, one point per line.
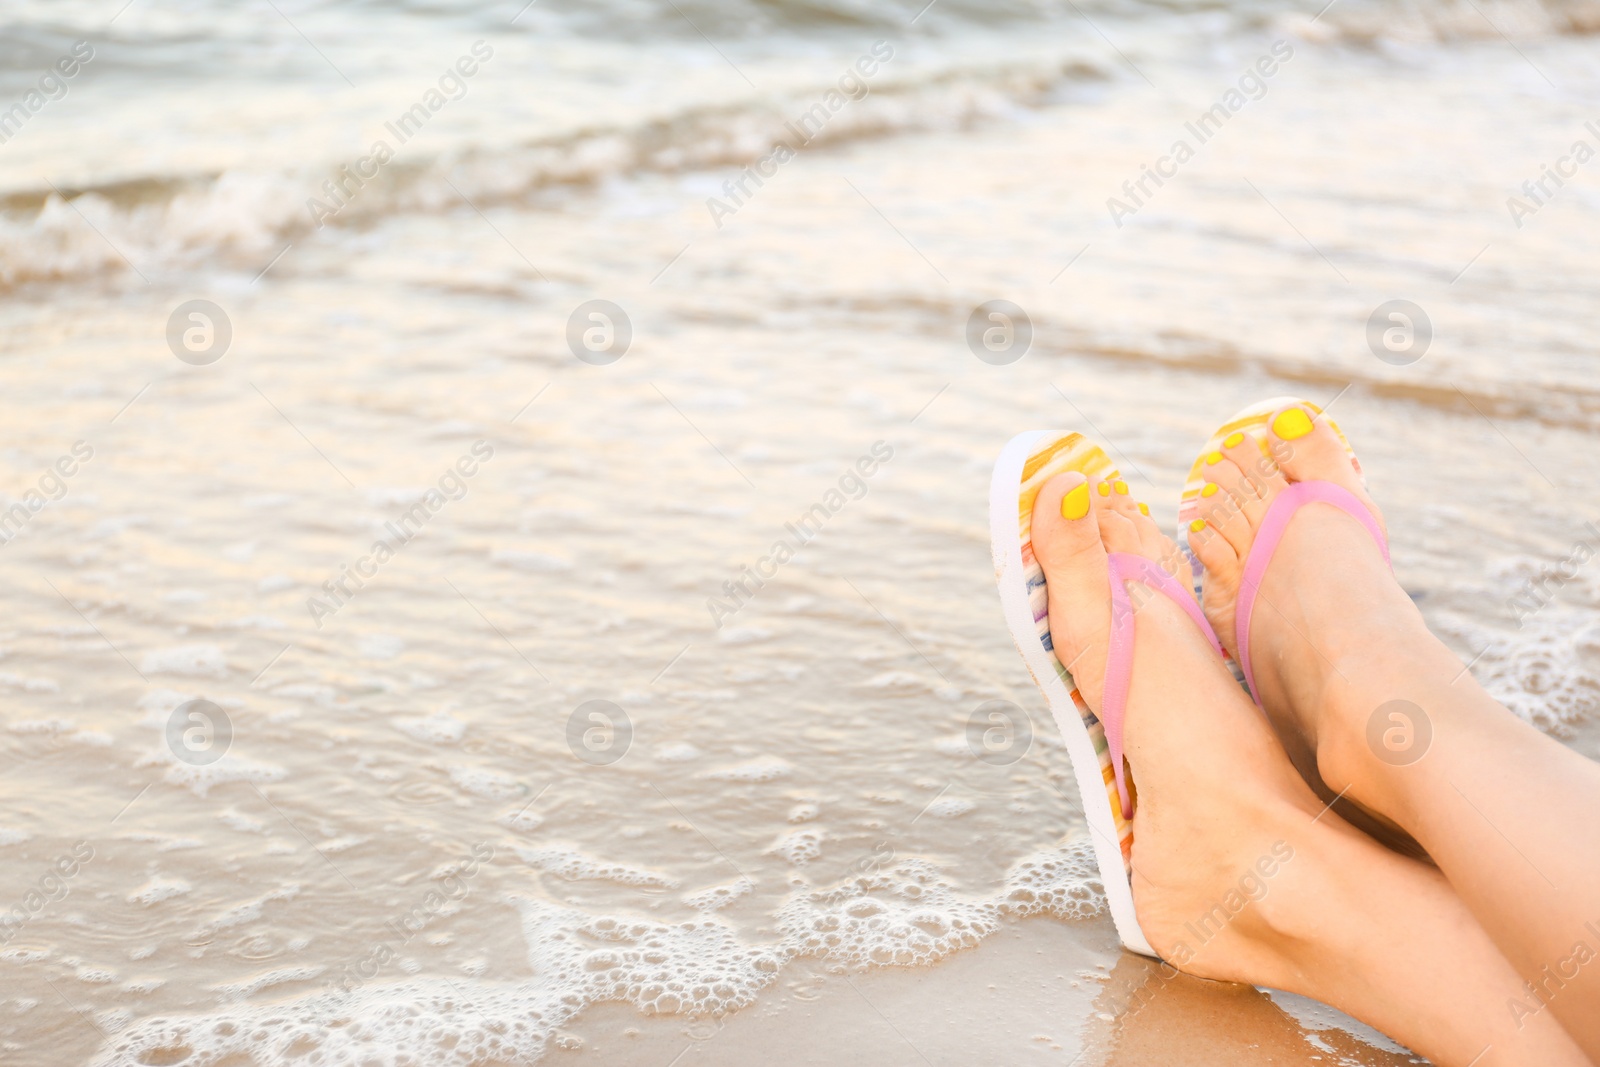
580	764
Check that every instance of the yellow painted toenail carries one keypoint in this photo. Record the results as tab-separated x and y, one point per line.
1291	424
1121	488
1197	525
1075	505
1215	457
1144	509
1234	440
1209	490
1105	488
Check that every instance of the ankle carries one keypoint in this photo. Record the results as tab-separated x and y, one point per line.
1376	715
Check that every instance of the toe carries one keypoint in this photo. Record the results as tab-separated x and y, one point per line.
1215	553
1066	542
1119	529
1308	448
1116	495
1065	526
1225	512
1249	473
1147	540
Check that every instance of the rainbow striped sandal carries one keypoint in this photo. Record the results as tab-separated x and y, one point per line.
1094	742
1253	420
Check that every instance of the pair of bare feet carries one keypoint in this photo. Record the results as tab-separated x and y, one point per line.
1487	955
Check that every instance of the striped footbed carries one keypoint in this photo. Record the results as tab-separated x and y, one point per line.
1070	452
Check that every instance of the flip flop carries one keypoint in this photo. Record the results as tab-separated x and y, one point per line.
1254	419
1094	742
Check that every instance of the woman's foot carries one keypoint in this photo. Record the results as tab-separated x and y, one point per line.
1238	872
1378	711
1326	608
1215	794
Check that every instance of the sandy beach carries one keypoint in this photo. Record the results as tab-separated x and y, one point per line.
549	777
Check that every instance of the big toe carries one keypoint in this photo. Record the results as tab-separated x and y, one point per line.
1066	542
1307	448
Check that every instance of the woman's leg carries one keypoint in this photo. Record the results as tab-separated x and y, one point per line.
1346	667
1239	873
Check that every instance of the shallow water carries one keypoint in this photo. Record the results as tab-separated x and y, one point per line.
419	838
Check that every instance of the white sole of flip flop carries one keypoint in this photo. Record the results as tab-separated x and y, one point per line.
1083	747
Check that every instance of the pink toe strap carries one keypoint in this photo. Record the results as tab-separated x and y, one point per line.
1126	567
1277	519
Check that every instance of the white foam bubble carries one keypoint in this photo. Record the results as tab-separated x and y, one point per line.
910	913
799	847
196	661
482	782
239	914
537	562
698	967
438	1023
904	681
717	897
523	822
161	701
577	866
234	819
243	990
760	769
950	807
257	622
322	695
158	889
381	646
439	728
40	726
29	685
1061	882
902	914
164	842
1549	672
804	812
200	780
